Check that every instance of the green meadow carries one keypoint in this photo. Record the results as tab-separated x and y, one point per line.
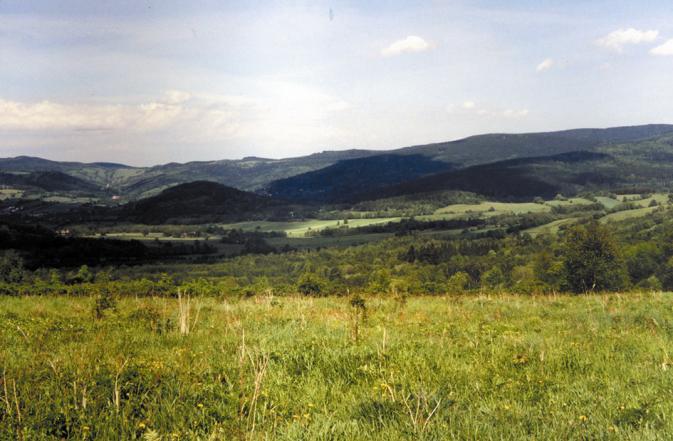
487	367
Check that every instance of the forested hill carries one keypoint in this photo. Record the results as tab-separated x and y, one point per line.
255	173
348	180
201	201
488	148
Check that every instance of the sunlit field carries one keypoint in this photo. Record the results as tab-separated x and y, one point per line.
447	367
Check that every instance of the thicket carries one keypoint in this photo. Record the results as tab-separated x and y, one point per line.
586	257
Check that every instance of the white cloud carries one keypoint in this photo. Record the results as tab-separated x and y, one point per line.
545	65
515	113
177	96
665	49
280	113
616	40
412	43
470	108
156	114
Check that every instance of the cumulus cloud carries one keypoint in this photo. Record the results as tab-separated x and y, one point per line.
515	113
281	112
545	65
471	108
154	114
412	43
616	40
665	49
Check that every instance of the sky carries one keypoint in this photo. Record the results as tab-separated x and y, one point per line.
145	82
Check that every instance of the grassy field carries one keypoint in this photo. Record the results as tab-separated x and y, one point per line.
8	193
550	228
472	367
627	214
301	228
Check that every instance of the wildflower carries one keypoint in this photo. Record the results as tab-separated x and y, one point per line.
583	418
200	405
141	425
86	428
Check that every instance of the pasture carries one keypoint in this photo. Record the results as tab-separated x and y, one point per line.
488	367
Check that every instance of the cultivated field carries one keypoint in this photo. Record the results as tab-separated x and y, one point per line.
469	367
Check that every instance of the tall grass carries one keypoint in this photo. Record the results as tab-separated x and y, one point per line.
479	367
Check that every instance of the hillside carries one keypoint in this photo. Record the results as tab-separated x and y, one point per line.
201	201
523	178
254	173
345	180
48	181
488	148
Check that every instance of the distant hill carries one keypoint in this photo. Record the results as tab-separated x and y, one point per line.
47	181
489	148
201	201
253	173
345	180
249	173
522	178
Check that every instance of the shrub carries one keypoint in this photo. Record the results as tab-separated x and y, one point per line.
104	301
11	268
458	282
591	260
311	284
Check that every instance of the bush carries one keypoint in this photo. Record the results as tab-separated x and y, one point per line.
310	284
458	282
591	260
104	301
11	268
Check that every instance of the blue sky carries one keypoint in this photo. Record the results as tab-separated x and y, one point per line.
146	82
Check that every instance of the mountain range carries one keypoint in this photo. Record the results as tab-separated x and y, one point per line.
504	166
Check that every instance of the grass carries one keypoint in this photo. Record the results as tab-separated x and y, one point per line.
490	209
628	214
9	193
551	228
495	208
152	236
608	202
300	228
455	367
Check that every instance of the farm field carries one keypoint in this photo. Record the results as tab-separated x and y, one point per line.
550	228
9	193
300	228
447	367
628	214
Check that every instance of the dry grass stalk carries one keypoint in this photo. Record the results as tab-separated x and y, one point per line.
259	366
116	398
419	410
184	309
6	393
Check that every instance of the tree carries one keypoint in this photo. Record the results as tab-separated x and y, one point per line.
493	279
458	282
642	260
591	260
548	270
83	275
310	284
379	281
11	268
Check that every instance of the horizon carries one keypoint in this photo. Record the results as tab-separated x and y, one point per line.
317	152
148	83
